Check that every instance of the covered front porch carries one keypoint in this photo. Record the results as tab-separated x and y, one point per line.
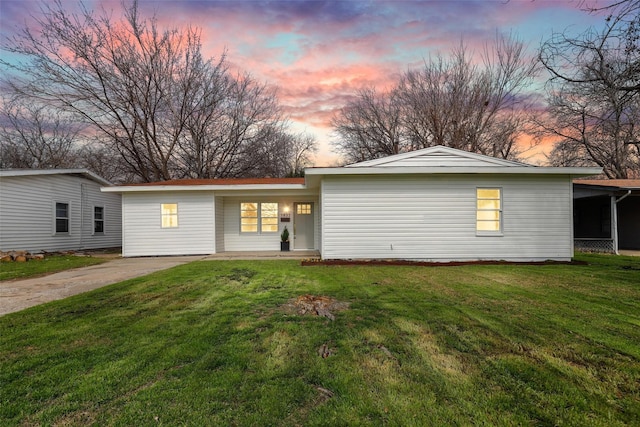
606	215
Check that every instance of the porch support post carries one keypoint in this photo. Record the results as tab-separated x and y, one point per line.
614	223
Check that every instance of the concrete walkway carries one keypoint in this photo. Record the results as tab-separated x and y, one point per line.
257	255
629	252
16	295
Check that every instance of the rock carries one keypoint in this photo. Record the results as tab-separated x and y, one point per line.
37	257
20	258
5	258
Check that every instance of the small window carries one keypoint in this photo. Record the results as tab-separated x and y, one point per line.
269	217
489	210
303	209
169	212
98	219
249	217
62	217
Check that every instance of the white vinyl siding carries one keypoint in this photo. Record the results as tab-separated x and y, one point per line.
27	213
144	235
424	217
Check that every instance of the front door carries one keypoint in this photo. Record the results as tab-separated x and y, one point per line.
303	226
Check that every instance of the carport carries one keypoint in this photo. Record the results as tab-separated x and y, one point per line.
606	215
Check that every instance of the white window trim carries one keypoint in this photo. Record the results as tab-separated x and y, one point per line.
487	233
93	220
55	217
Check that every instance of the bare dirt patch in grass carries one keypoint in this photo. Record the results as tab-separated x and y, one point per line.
315	305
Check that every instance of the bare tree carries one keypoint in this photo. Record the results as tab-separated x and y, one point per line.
568	153
596	123
227	133
301	148
594	94
369	127
289	154
450	101
609	57
147	94
34	137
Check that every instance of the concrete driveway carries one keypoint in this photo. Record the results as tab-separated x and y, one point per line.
16	295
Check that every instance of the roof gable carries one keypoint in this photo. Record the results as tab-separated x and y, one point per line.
438	156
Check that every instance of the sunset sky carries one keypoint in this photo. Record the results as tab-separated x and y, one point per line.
319	52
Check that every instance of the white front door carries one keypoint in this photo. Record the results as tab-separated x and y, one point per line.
303	225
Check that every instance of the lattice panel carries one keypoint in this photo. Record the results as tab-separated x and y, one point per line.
594	245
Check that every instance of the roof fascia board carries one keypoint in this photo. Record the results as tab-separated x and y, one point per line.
611	188
400	170
39	172
216	188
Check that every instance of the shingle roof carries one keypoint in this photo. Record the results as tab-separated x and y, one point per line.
619	183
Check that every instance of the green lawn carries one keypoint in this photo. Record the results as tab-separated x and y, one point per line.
51	264
213	343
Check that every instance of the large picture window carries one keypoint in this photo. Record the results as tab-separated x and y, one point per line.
169	213
489	210
258	217
62	217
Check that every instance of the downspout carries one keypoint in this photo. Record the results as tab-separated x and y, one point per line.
614	219
623	197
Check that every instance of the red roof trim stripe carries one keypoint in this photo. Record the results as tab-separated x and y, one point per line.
622	183
229	181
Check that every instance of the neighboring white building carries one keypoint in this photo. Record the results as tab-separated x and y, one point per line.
435	204
57	209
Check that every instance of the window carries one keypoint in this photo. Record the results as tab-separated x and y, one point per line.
489	210
249	217
169	212
303	209
62	217
258	217
98	219
269	217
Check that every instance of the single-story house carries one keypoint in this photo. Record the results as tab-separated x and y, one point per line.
57	210
606	214
436	204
